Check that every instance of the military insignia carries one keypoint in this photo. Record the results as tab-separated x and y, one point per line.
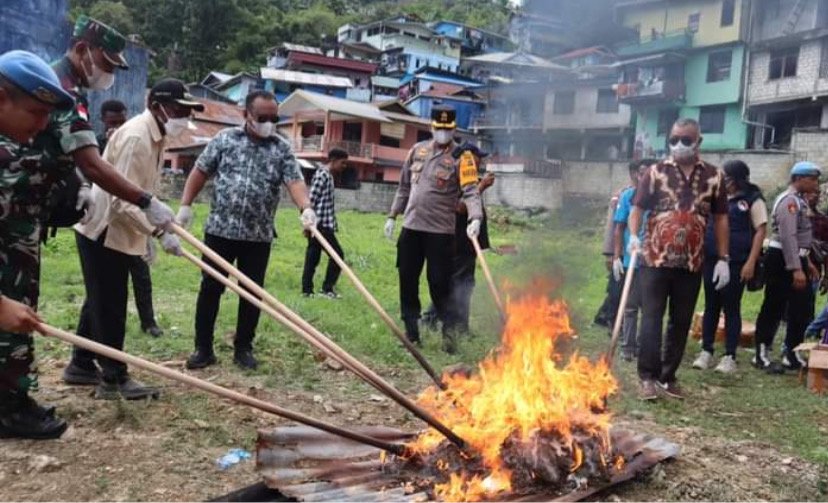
45	95
743	205
422	152
792	208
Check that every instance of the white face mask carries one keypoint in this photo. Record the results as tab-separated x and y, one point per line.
683	153
174	127
98	79
443	136
262	129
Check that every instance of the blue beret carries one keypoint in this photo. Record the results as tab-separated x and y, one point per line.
35	78
805	168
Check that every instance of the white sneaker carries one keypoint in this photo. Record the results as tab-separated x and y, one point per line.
703	361
761	359
727	365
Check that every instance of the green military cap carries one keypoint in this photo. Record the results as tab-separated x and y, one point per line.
100	35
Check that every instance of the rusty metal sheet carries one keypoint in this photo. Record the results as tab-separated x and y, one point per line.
310	465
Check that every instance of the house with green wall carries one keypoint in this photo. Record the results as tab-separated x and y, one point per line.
688	61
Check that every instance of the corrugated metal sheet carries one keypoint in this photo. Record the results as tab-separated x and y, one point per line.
300	101
304	78
309	465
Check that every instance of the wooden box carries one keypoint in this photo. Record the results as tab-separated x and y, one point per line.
817	379
745	339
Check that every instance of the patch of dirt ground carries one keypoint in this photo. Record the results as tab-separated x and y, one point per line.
167	450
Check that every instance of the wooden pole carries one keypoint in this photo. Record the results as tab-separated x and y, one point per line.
314	337
209	387
486	272
378	308
622	304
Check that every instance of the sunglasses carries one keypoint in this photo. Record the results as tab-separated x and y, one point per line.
268	118
687	141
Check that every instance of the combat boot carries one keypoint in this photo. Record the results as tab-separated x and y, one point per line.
22	417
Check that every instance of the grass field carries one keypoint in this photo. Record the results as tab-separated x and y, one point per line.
563	250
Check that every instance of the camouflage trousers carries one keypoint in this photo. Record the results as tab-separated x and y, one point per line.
18	369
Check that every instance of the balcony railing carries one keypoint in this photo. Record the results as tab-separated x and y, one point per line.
656	42
651	91
355	149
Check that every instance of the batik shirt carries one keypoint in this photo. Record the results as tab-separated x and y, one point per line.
247	175
679	209
322	199
25	182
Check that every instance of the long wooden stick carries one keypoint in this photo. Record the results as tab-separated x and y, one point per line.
209	387
315	338
486	272
378	308
622	304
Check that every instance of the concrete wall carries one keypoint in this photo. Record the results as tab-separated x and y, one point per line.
811	145
670	17
805	84
523	192
768	169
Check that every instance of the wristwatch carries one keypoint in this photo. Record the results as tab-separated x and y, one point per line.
725	258
144	201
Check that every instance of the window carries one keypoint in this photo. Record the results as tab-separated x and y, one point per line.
352	131
666	118
718	66
693	21
783	63
564	103
712	119
607	102
728	11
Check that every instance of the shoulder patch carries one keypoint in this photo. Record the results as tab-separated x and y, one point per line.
793	207
743	205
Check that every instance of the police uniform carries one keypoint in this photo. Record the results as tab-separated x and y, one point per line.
25	182
430	183
788	250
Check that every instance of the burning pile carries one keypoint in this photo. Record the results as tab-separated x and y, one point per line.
532	421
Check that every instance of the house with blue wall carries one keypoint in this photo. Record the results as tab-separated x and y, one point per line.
473	41
469	106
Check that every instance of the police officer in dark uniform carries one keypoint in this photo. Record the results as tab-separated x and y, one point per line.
430	183
787	269
29	92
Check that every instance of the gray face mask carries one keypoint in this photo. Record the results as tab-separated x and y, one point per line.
683	153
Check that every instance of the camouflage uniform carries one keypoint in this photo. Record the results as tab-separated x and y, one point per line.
25	182
28	177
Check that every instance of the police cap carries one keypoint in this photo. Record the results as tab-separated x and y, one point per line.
805	168
34	77
443	117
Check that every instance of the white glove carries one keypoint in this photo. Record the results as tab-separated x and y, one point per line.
159	214
617	269
473	229
184	217
85	203
389	228
151	254
721	274
308	218
634	245
171	244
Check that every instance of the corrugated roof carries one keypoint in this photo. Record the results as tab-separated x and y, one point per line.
302	100
341	63
516	59
381	81
301	48
314	79
215	117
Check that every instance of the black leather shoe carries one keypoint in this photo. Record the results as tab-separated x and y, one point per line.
128	390
81	376
22	417
154	331
201	359
245	359
412	331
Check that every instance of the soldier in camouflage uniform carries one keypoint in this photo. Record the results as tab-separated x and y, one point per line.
29	91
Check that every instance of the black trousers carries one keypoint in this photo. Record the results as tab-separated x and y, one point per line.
312	256
251	259
139	271
103	315
663	288
414	250
729	300
462	287
779	296
609	308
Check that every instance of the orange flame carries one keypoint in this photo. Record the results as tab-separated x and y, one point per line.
521	388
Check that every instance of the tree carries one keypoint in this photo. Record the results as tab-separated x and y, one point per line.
115	14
